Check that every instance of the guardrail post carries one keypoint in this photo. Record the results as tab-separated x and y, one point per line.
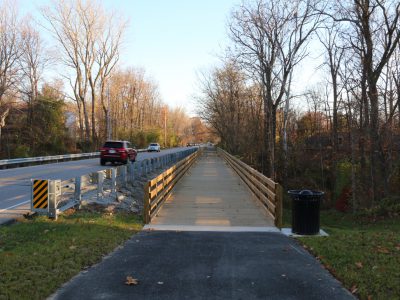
54	197
131	172
78	188
123	176
146	204
279	204
113	180
139	168
100	182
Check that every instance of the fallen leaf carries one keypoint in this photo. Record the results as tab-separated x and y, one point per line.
359	264
398	247
369	297
46	231
131	281
382	250
72	247
354	289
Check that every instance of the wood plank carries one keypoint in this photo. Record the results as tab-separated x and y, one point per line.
257	193
260	185
203	199
146	207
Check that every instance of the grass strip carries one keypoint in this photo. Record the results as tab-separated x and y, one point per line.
364	254
37	256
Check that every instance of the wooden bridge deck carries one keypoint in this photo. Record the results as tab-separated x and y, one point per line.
211	195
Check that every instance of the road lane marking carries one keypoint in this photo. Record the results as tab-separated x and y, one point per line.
19	204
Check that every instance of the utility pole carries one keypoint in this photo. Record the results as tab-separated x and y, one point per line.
165	126
108	113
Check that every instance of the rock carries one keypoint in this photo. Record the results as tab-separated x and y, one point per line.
120	197
110	208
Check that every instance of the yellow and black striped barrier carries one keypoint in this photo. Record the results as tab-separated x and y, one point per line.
40	194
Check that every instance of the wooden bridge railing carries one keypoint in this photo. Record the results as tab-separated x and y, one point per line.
268	192
157	190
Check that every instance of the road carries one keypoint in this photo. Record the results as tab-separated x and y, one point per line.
15	184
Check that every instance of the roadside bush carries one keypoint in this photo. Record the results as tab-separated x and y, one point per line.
343	177
387	207
21	151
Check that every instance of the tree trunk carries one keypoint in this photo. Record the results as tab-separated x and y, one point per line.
94	139
374	143
86	118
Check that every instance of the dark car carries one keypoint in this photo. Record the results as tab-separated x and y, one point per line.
117	151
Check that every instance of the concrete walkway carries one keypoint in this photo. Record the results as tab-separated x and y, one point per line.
211	197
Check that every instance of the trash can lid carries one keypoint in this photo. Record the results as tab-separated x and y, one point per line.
305	192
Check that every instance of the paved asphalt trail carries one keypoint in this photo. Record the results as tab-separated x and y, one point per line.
15	184
206	265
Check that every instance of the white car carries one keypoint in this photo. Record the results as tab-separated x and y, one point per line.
154	147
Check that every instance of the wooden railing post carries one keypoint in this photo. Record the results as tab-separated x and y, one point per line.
279	205
146	204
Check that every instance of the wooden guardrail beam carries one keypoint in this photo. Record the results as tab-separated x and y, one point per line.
158	189
268	192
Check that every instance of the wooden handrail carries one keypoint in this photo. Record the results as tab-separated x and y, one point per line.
267	192
158	189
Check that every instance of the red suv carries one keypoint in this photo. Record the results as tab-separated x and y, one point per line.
117	151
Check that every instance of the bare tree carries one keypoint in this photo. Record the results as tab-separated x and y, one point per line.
107	49
270	39
90	40
373	32
232	106
32	62
10	53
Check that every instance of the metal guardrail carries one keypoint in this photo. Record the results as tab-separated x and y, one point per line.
107	179
267	192
16	162
19	162
158	190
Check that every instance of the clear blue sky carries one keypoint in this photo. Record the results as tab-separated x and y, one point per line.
171	39
174	39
